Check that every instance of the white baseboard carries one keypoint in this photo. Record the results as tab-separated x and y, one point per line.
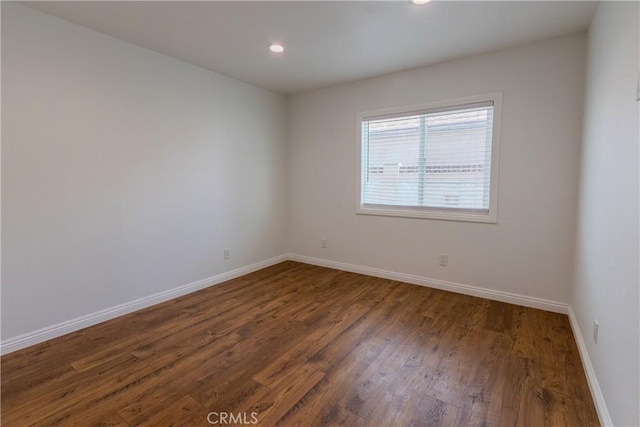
594	386
44	334
50	332
54	331
508	297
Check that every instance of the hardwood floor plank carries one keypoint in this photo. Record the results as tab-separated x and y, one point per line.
280	399
302	345
531	410
511	392
499	317
235	394
183	412
74	394
373	384
272	374
113	420
146	405
434	413
318	406
112	396
564	410
196	316
396	408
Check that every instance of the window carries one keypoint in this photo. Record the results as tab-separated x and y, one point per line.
435	161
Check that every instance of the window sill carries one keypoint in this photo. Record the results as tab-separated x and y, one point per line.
421	213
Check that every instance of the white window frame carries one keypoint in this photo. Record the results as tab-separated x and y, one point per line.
427	212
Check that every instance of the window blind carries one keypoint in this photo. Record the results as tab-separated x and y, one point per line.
438	159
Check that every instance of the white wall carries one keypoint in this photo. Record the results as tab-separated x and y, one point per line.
529	251
607	250
125	172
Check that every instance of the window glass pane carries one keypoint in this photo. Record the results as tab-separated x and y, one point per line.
436	160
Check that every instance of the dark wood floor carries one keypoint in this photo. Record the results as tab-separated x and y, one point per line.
304	345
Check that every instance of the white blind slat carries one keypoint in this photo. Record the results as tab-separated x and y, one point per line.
437	159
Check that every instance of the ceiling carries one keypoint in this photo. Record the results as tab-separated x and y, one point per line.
327	42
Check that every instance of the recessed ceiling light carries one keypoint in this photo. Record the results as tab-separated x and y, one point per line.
276	48
420	1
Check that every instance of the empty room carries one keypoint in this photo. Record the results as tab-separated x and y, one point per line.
320	213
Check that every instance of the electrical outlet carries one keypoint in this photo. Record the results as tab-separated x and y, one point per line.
323	244
443	260
227	253
596	325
